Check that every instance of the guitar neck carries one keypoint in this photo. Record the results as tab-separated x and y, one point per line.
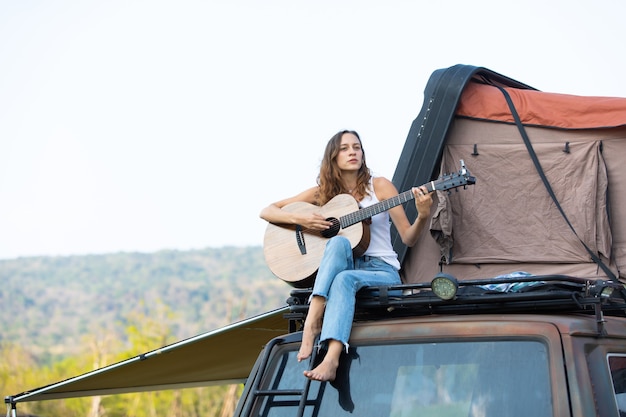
367	212
445	182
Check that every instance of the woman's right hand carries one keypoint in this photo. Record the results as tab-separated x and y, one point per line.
313	221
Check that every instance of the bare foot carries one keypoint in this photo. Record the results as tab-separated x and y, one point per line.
325	371
311	331
312	327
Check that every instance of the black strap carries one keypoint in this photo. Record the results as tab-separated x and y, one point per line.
535	160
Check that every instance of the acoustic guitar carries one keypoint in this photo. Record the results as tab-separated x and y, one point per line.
294	254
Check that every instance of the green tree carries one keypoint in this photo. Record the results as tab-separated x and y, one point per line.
81	313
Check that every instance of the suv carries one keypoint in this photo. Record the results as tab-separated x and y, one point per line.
514	303
504	347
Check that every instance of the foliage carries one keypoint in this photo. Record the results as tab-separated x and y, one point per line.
64	316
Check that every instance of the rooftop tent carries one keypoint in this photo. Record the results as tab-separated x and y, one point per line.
420	158
508	221
222	356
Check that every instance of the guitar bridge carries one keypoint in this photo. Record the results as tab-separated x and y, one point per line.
300	239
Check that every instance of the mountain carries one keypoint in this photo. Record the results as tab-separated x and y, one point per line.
50	304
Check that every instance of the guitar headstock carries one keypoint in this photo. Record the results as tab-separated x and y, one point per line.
462	178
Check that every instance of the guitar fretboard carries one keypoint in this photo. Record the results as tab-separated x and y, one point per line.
446	182
367	212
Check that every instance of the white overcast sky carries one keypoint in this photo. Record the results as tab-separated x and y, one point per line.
146	125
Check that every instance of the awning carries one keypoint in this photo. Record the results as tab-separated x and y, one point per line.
222	356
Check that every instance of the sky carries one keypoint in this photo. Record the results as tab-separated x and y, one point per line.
140	126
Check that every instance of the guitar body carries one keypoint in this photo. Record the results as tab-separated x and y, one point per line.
283	253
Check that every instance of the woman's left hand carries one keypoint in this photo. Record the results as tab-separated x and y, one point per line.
423	201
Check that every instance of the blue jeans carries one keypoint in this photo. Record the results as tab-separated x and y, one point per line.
339	278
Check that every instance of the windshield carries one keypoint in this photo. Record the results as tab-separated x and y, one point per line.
503	378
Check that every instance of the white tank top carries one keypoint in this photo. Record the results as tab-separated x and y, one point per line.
380	232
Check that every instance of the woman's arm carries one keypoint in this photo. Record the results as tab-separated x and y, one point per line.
315	221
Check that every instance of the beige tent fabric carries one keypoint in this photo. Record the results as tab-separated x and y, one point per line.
614	151
508	216
507	221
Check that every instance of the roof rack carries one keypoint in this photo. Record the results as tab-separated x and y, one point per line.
507	294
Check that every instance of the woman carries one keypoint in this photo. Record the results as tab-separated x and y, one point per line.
339	277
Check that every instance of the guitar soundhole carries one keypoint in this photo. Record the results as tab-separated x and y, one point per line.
333	230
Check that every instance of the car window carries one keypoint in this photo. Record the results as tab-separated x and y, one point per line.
496	378
617	365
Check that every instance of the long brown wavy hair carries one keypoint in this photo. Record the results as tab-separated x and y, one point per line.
329	179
